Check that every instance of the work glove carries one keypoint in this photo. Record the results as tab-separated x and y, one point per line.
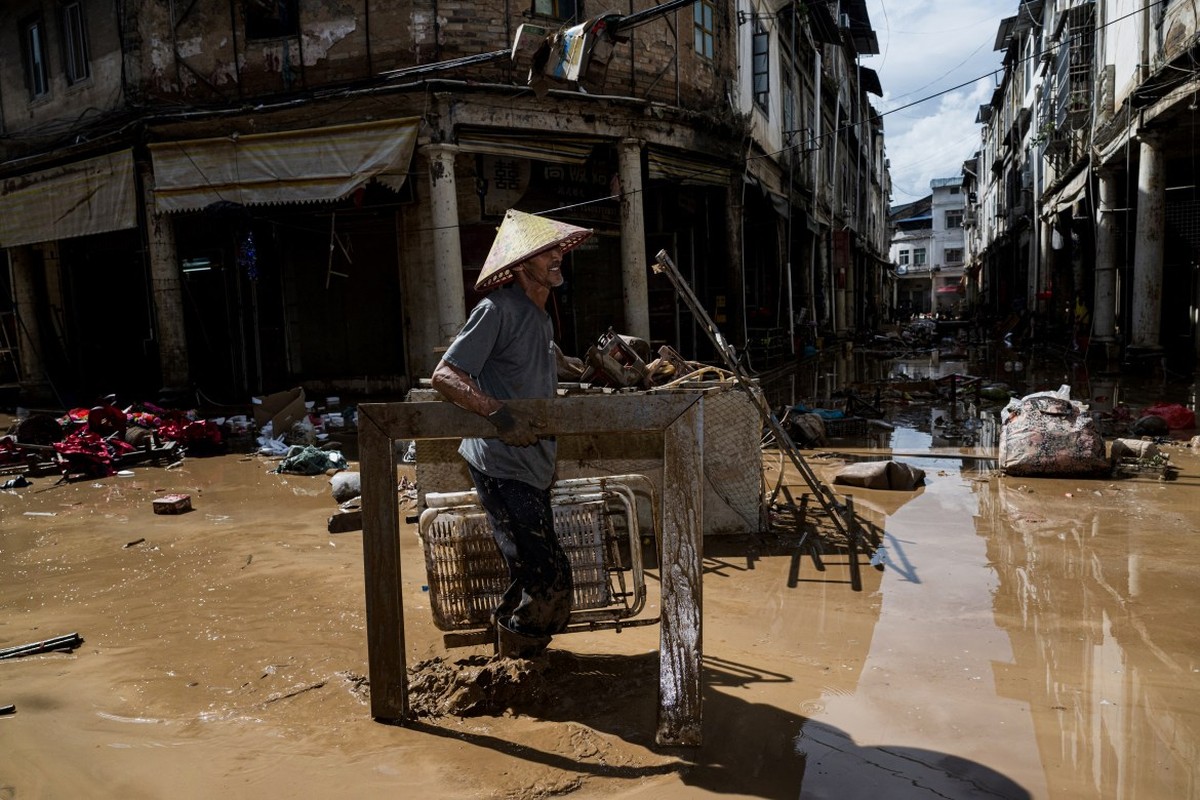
517	429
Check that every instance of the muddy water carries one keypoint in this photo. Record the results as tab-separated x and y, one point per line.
1026	638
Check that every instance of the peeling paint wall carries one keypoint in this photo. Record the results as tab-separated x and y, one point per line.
203	54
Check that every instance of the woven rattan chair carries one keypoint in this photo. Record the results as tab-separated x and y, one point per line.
596	520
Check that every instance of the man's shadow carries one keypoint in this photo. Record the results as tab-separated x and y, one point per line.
748	748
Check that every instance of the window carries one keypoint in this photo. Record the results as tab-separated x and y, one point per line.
954	218
33	52
904	257
789	106
271	19
704	14
559	9
76	63
761	66
919	257
954	255
955	189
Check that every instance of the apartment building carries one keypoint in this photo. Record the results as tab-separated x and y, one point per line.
234	197
1085	202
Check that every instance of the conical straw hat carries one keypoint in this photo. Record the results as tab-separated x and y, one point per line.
523	236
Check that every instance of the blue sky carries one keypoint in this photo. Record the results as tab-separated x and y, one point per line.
927	46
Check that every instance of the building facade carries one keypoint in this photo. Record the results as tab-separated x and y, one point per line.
928	253
236	197
1085	206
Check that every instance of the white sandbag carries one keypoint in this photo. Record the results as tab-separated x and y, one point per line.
345	486
1140	449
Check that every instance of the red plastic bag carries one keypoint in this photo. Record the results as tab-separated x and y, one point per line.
1178	418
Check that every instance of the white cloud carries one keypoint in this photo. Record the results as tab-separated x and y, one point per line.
927	47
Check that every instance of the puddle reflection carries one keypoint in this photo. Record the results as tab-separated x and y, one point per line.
1041	629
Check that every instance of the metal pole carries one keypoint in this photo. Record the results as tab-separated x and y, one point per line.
822	492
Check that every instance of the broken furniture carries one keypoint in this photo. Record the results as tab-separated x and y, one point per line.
597	525
676	416
732	461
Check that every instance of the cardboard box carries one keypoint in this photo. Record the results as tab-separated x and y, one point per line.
172	504
282	410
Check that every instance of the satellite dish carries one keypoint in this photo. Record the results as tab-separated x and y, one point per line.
901	270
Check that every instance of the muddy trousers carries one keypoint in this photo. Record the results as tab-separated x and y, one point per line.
538	601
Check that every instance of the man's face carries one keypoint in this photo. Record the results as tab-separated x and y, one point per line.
546	267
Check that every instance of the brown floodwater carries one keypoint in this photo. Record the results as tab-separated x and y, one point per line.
1026	638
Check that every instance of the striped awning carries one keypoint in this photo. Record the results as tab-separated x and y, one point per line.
304	166
92	196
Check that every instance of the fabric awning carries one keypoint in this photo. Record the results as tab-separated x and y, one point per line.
304	166
86	197
539	146
667	165
1070	193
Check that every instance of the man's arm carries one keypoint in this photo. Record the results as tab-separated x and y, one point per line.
461	389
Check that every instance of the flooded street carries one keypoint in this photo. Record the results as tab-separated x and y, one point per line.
1026	637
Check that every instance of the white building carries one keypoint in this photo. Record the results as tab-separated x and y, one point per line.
927	251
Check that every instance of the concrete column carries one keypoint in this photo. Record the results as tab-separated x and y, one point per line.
447	247
1146	319
166	289
633	240
1042	260
840	278
734	330
31	370
1104	306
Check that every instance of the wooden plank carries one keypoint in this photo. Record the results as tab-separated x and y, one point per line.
612	413
678	415
386	666
680	641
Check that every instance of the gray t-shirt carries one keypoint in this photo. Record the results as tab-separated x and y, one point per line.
506	346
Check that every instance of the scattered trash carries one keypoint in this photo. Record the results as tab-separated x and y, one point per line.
1176	416
1047	433
281	410
346	486
1150	425
41	513
172	504
345	521
67	642
18	482
134	543
879	557
1132	448
309	460
891	475
8	709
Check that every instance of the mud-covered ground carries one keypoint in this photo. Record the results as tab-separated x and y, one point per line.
1026	638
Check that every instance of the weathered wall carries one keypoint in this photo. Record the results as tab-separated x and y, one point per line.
97	94
205	55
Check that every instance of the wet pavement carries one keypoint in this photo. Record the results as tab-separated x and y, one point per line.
1027	637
